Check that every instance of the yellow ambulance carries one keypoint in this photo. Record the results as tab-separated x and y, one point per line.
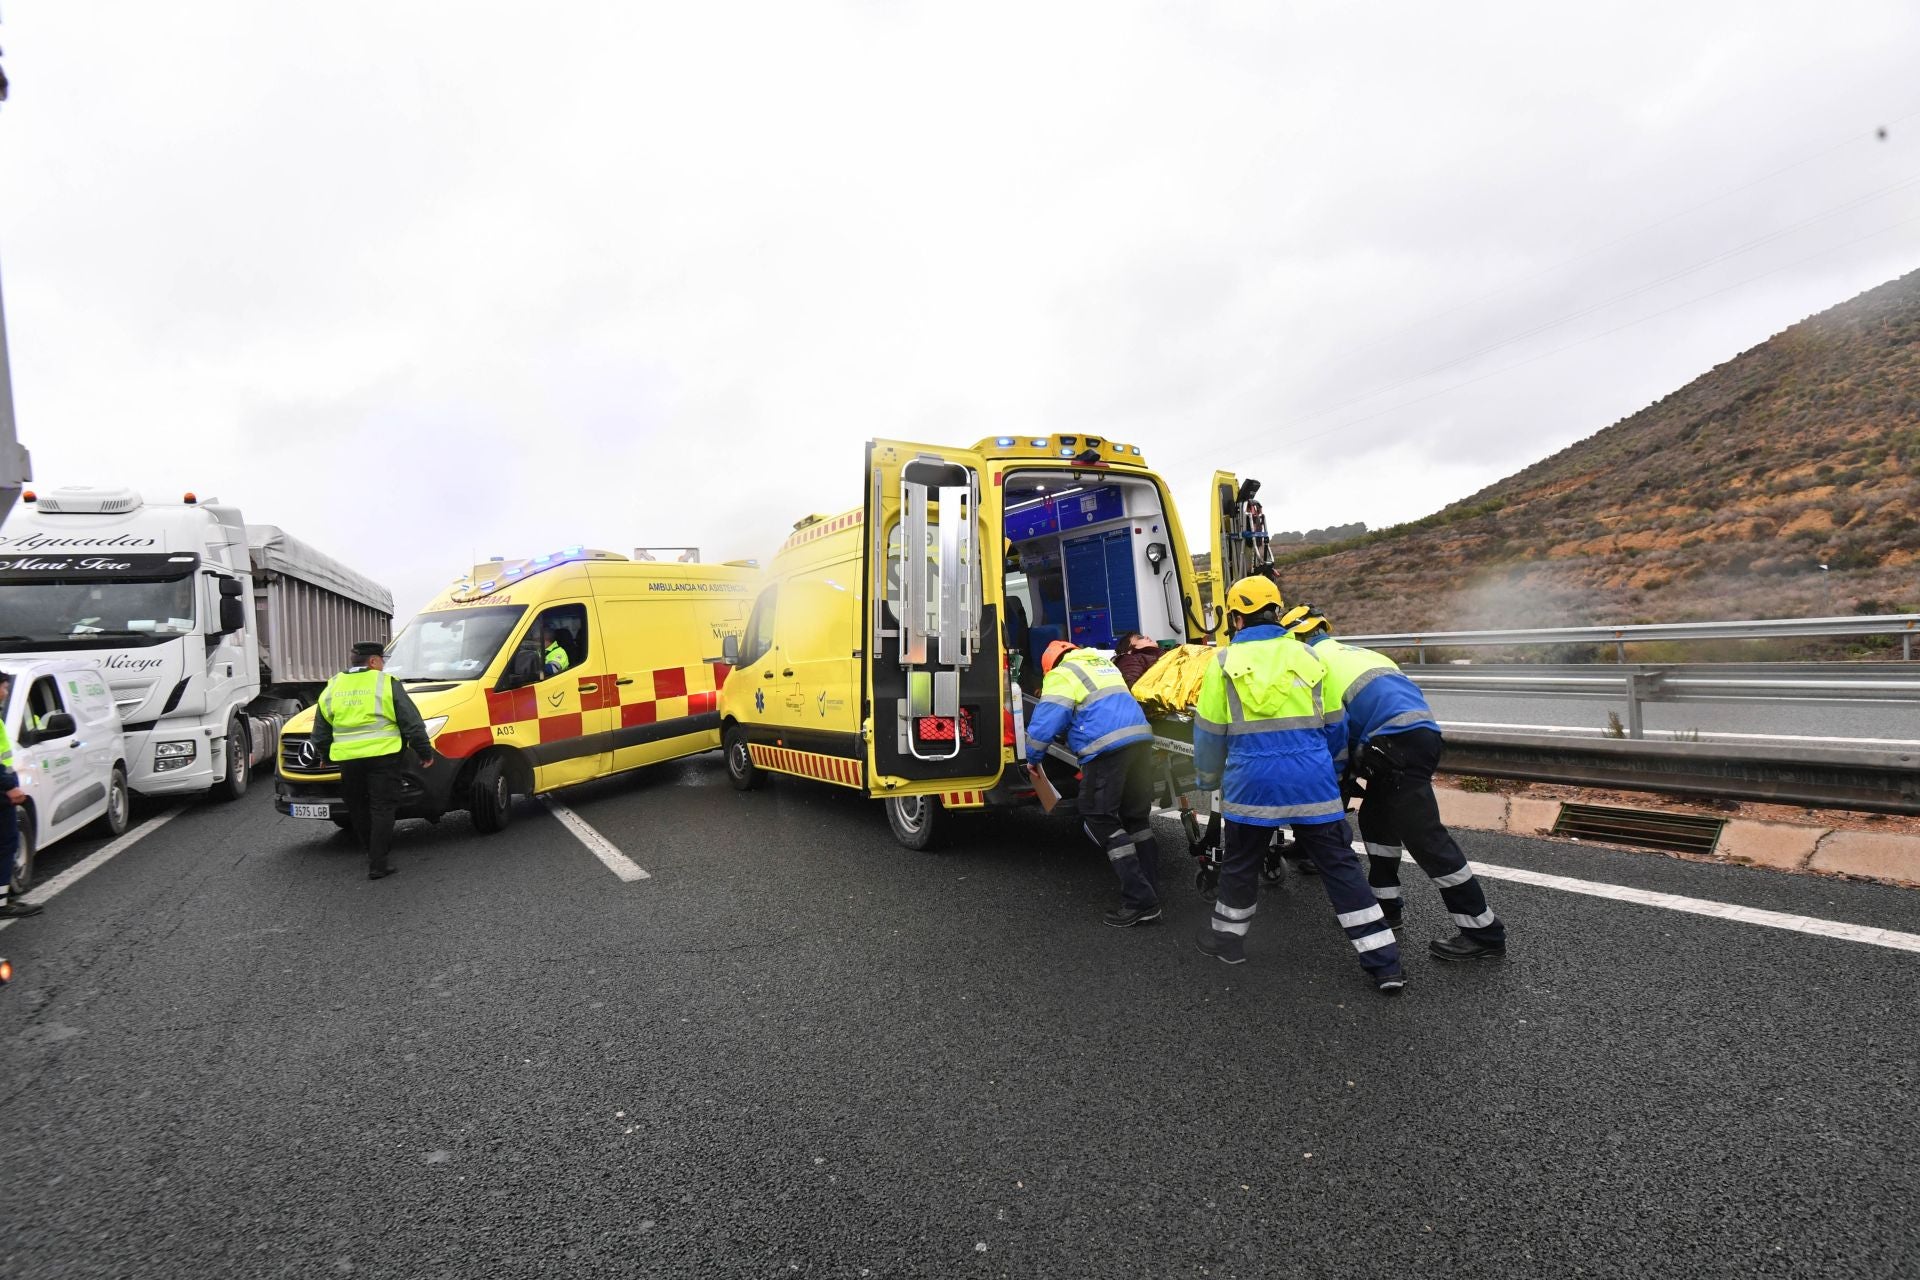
541	673
887	650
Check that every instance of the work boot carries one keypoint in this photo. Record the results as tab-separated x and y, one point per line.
1227	948
1303	866
1461	947
380	873
13	909
1125	916
1390	982
1390	910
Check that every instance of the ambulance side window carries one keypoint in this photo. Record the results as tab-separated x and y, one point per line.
759	637
564	625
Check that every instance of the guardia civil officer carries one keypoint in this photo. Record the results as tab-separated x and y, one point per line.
1260	735
362	721
1392	744
11	798
1085	696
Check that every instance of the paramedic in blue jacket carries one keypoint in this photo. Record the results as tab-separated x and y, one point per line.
1084	695
1261	736
1393	745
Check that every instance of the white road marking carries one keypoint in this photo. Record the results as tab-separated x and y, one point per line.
1892	938
98	858
598	845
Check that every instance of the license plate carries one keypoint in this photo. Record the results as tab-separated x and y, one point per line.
312	811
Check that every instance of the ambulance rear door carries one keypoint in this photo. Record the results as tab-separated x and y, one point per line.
1232	545
935	672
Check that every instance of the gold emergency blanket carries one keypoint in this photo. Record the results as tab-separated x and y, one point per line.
1172	685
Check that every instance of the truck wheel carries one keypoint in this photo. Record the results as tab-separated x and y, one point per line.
741	770
239	762
24	859
119	806
492	803
915	821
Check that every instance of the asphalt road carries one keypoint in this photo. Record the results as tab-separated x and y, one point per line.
798	1049
1862	722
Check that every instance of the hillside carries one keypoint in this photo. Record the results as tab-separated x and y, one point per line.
1720	501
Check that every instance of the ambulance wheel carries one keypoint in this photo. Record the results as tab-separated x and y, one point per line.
742	772
492	806
239	762
915	820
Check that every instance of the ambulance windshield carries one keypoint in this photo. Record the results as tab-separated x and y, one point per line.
451	644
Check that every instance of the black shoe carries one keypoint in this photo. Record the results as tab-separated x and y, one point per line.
1390	983
1461	947
20	910
1391	914
380	873
1303	867
1227	948
1125	917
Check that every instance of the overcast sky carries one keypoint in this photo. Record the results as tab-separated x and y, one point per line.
425	280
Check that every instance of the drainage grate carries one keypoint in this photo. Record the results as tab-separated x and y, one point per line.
1645	828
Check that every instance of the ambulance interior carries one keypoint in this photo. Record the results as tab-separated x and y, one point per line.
1090	559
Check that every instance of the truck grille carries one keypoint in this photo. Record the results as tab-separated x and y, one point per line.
299	755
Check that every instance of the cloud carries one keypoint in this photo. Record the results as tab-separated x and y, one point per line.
420	282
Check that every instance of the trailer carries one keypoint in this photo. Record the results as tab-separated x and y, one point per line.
309	611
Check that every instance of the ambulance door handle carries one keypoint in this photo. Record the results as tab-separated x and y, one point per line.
787	672
589	688
624	680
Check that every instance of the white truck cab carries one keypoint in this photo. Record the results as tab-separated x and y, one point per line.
68	751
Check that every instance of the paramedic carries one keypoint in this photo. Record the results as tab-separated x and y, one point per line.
1393	743
1260	736
553	657
361	722
1084	696
11	799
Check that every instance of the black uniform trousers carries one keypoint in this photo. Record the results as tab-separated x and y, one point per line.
1116	806
1400	809
372	788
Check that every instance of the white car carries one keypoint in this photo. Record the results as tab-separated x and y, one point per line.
68	751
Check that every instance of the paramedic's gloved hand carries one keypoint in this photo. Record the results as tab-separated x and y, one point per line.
1351	787
426	760
17	796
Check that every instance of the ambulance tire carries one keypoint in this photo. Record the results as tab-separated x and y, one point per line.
239	762
742	772
492	807
915	821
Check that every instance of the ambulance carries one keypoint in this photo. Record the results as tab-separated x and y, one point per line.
888	649
636	680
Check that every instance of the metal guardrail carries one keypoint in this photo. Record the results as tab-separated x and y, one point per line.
1638	684
1904	625
1822	777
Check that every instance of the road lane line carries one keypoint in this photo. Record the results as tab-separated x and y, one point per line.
598	845
98	858
1733	911
1730	911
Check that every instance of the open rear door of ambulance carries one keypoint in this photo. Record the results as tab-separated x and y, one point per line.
935	669
1229	558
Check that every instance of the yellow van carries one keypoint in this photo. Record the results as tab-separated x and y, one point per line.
888	649
538	674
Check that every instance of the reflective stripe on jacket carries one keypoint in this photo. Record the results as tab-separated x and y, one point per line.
1369	693
1085	695
556	657
1260	733
359	707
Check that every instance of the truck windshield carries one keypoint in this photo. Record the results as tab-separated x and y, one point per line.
451	644
90	614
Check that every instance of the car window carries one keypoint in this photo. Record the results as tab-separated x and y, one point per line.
564	625
759	637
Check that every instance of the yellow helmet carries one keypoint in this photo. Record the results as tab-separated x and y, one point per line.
1251	595
1303	619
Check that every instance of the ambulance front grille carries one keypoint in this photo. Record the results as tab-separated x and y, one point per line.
299	755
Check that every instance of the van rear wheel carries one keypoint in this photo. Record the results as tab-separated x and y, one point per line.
23	864
915	821
119	809
741	770
492	802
